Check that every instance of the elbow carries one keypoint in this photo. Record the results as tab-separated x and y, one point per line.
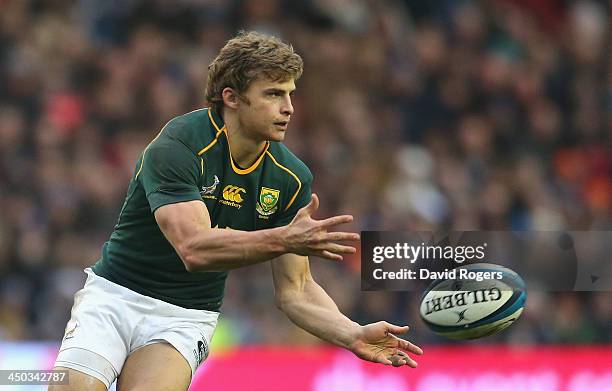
188	260
190	267
195	262
284	300
192	262
278	302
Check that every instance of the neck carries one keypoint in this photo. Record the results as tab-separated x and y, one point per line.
244	149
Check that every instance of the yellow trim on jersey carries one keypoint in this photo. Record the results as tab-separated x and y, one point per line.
219	130
202	162
209	146
292	174
237	170
244	171
213	121
147	147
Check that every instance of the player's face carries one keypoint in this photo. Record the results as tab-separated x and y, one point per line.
267	114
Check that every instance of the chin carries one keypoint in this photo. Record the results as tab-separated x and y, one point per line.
277	135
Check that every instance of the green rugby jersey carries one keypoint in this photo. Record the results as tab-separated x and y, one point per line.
190	160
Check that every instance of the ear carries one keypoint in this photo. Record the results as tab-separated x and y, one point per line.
230	98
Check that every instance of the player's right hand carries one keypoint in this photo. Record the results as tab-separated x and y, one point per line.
307	236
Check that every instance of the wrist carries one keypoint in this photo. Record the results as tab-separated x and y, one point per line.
353	337
280	240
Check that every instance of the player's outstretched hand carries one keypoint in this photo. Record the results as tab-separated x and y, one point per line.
307	236
377	342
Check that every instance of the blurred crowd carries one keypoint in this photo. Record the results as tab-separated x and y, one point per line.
412	115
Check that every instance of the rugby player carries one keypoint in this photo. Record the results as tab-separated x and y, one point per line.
214	191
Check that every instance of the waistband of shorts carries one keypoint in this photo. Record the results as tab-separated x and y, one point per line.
130	295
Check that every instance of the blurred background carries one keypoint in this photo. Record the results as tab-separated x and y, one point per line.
413	114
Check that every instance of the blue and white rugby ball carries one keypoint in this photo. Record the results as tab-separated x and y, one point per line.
480	299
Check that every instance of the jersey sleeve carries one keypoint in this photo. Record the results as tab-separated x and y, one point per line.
169	173
301	200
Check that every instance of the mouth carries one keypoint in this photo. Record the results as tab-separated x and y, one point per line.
282	124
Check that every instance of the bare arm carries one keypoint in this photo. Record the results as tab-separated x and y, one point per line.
307	305
187	227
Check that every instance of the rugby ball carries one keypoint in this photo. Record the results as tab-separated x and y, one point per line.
473	301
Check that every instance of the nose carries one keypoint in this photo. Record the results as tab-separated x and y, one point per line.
287	107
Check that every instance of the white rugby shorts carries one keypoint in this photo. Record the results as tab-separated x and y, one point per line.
108	322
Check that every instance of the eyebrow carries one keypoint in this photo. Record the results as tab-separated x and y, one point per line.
274	89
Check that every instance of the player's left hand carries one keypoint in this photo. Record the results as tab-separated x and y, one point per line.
377	342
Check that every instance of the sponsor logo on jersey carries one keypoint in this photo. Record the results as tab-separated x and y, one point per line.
268	202
207	191
233	196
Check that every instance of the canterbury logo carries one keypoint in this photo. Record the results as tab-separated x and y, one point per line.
233	193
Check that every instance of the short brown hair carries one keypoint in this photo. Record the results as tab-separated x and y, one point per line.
246	57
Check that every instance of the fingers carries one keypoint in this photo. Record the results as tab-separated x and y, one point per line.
385	361
340	249
409	346
402	343
336	220
406	345
331	256
391	328
342	236
397	360
317	241
388	356
401	358
334	251
313	205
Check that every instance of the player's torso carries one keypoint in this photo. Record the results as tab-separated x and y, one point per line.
243	199
138	255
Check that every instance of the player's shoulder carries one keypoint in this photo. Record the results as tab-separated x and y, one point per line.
286	161
195	130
